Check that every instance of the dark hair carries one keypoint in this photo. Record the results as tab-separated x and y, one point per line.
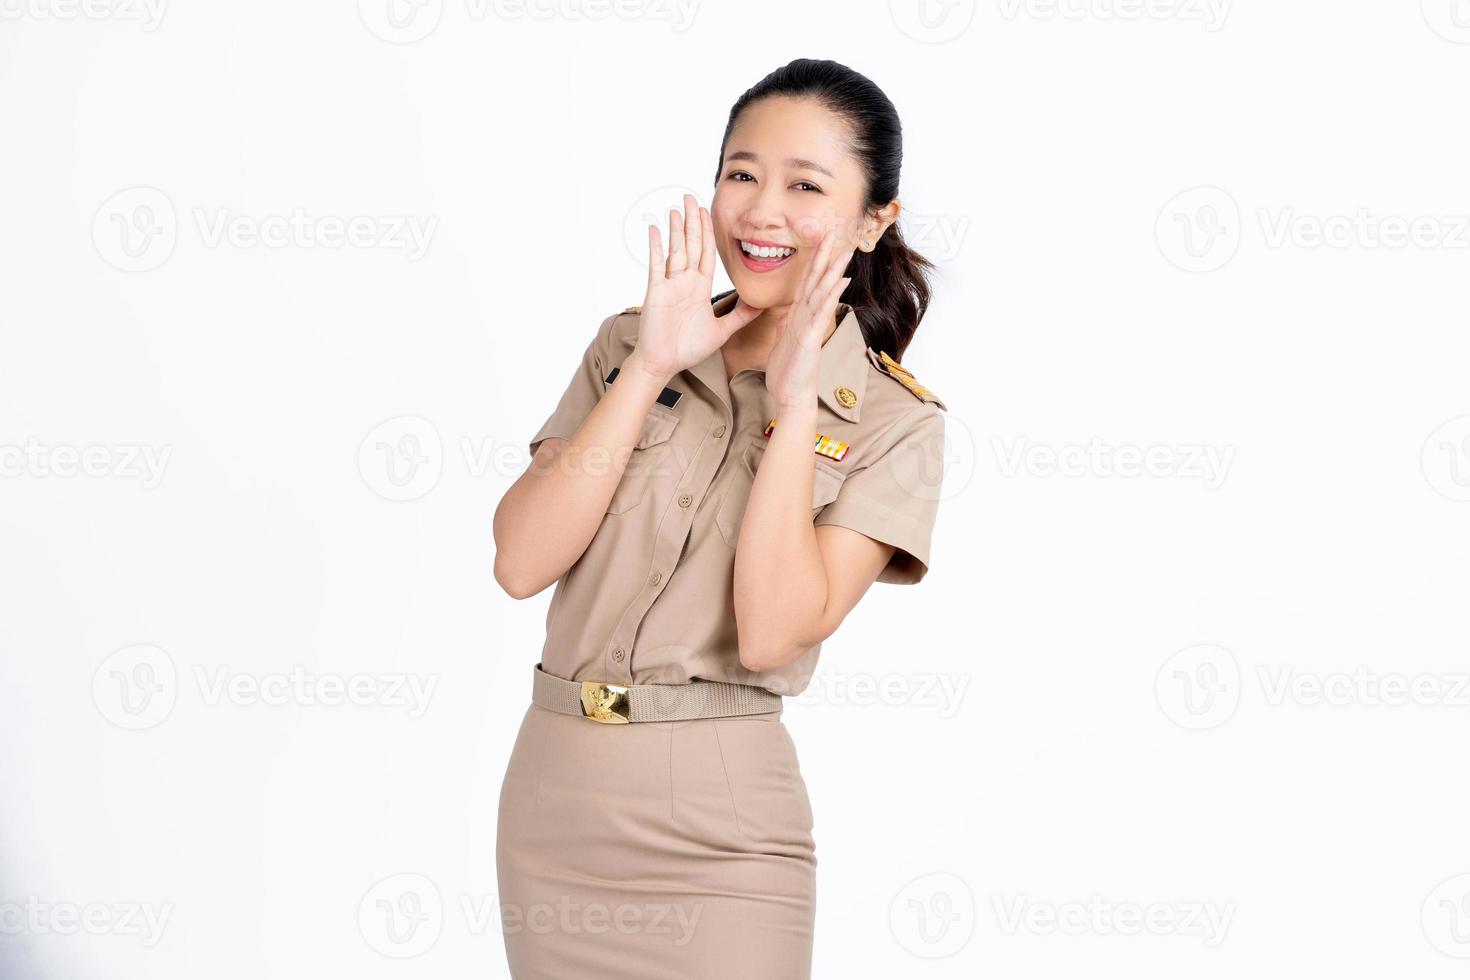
890	287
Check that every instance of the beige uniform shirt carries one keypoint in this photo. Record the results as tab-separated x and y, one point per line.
651	600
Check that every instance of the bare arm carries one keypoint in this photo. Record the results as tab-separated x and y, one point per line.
794	582
550	514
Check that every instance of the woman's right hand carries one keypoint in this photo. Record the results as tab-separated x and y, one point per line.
678	328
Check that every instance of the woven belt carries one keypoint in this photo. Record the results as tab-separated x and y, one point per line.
618	704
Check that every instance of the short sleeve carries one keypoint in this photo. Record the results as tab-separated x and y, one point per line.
895	498
583	392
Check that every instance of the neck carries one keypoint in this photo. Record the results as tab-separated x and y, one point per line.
756	338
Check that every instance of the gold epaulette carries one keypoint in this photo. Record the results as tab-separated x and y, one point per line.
634	309
903	376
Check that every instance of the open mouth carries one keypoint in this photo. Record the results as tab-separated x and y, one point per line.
760	256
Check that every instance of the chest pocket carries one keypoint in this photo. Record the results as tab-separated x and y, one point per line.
826	482
650	465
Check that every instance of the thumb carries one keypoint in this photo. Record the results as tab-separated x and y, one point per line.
737	318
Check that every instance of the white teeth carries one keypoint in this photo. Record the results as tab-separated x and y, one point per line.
765	252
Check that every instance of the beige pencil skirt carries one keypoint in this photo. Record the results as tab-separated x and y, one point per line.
655	850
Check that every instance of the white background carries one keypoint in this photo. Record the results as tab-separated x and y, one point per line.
1170	693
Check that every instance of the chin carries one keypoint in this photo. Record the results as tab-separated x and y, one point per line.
758	292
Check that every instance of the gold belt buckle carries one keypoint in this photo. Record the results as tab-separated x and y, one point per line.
604	702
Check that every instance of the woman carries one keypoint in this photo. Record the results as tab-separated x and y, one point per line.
703	548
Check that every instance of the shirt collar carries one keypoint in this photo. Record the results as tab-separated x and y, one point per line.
843	364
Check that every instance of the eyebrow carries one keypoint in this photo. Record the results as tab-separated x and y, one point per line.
796	162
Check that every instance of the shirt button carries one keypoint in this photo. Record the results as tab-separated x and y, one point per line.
685	499
655	578
618	654
719	432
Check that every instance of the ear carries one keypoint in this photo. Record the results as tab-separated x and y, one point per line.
875	223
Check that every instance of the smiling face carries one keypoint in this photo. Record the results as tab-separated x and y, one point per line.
787	177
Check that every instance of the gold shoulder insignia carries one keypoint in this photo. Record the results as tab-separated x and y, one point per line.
634	309
903	376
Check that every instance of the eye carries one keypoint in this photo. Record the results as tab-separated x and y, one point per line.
737	173
807	183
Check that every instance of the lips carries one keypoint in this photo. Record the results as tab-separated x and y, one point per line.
756	264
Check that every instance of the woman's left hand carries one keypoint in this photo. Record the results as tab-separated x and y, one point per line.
791	368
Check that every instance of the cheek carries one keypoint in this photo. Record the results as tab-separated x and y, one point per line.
810	229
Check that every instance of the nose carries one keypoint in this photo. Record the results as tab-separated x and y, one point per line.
764	211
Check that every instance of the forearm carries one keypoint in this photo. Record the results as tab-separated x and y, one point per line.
548	516
781	586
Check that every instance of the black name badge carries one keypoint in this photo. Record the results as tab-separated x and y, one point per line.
668	398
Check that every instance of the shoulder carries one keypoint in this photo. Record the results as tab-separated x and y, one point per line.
898	384
620	331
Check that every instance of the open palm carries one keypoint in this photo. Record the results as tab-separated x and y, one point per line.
678	327
791	368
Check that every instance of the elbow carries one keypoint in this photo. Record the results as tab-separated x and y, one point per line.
761	654
765	657
515	585
758	661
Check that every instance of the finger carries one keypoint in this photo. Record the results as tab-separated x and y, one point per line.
831	275
707	257
655	256
676	241
693	232
834	295
736	318
814	267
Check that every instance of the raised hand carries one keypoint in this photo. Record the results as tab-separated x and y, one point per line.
678	327
791	369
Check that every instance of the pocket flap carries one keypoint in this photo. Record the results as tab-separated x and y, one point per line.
657	427
826	479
